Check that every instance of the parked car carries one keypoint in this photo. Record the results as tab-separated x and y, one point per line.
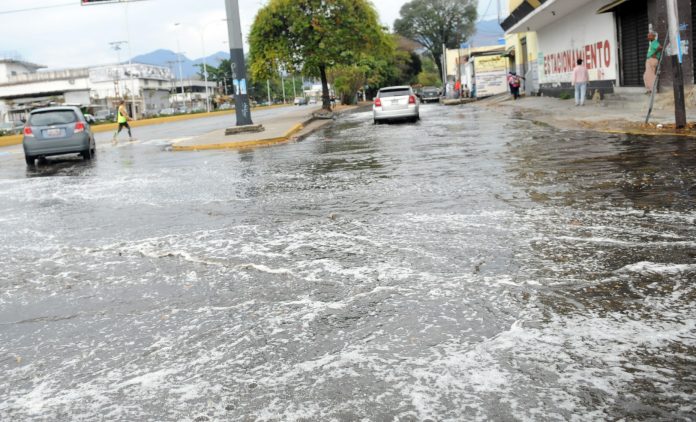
167	111
182	110
57	131
90	119
11	128
429	93
300	101
105	116
395	103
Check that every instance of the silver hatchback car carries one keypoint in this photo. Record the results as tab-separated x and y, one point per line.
396	102
57	131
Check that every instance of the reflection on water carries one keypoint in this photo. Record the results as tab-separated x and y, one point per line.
449	270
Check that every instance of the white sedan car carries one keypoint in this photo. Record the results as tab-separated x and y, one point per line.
396	103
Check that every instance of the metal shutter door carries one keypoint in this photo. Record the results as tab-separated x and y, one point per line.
633	31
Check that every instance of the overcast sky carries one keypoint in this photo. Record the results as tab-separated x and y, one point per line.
70	35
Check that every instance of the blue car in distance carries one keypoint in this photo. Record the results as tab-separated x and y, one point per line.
57	131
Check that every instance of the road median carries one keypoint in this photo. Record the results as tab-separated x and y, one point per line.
295	125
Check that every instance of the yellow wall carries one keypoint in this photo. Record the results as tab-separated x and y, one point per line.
514	42
453	53
513	4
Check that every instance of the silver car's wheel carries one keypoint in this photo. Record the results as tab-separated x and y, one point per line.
87	154
30	159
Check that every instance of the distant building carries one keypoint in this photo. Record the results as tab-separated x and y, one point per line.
25	86
481	70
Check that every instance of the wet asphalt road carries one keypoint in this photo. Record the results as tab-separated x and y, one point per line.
473	266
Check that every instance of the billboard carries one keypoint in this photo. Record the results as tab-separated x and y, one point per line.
490	75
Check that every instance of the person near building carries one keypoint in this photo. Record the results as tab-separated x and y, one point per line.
457	89
514	81
579	80
122	119
653	60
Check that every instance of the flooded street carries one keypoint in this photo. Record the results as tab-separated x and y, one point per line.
472	266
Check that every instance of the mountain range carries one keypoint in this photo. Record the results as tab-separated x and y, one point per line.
168	58
488	32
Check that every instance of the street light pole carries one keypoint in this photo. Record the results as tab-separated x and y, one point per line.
205	64
178	59
239	77
134	115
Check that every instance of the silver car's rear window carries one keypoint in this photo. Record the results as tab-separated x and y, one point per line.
52	118
394	93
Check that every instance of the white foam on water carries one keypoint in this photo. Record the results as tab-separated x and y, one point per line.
658	268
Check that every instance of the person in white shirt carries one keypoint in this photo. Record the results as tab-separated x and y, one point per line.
580	79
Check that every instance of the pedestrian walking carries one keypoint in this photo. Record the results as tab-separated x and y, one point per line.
514	81
580	79
654	53
122	118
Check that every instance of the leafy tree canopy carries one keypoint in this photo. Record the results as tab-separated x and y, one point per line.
433	23
313	36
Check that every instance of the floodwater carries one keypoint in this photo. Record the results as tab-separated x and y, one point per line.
473	266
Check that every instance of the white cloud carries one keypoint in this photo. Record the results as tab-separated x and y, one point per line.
78	36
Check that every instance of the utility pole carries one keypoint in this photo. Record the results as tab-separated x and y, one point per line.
676	53
181	72
134	114
239	76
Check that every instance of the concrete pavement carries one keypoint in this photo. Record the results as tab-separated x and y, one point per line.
615	114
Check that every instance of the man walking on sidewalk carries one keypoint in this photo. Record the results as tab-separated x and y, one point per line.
122	119
580	79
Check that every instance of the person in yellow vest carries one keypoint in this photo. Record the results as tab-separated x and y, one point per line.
122	118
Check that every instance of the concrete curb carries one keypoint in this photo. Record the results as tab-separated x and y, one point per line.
246	144
6	141
642	133
288	136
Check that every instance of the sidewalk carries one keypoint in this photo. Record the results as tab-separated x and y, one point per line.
612	115
289	126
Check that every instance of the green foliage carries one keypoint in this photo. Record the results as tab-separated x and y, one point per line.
433	23
313	36
429	75
565	95
347	80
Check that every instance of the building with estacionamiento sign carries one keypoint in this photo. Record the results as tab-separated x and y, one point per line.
609	35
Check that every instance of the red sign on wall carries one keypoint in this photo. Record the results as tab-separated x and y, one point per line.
596	56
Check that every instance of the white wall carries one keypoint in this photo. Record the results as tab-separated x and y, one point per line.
582	34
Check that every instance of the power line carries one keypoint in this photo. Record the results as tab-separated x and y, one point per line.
31	9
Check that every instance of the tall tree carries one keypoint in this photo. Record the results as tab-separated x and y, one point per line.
313	36
436	22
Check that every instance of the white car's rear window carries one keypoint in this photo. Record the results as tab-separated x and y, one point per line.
394	93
